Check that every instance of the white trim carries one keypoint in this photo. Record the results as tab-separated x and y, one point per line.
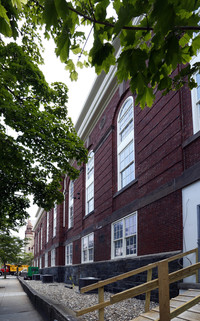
53	257
55	210
121	145
89	182
113	257
71	205
69	258
195	112
46	259
100	95
87	254
47	228
64	202
41	238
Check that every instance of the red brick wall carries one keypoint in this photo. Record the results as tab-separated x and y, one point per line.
160	133
160	225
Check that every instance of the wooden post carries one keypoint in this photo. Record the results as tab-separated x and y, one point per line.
197	260
101	299
148	294
163	281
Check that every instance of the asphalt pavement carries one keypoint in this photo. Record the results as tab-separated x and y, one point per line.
14	302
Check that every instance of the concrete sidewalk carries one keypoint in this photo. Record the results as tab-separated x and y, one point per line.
14	302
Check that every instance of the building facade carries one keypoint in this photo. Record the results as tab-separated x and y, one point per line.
137	200
29	236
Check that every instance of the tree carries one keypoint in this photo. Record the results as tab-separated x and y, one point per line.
38	141
155	37
25	259
10	249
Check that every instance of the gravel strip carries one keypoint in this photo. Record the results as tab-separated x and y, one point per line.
123	311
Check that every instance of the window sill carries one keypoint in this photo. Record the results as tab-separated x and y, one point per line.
70	228
191	139
125	188
123	257
88	215
87	262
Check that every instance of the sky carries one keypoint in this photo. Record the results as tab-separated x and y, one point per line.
54	70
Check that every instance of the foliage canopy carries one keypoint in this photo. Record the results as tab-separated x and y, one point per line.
38	141
155	37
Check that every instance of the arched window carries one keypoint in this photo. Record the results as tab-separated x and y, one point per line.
126	146
71	205
90	184
196	104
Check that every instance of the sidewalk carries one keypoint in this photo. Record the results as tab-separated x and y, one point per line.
14	302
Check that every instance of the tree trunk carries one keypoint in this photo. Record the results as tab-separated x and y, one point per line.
4	270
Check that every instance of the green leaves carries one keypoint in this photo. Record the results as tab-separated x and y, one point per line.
155	36
42	142
5	27
11	248
50	14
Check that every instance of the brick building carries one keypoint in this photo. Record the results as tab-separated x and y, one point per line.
138	198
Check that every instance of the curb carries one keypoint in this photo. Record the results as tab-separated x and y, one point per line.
49	309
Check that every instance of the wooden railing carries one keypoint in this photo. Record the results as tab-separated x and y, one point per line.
162	282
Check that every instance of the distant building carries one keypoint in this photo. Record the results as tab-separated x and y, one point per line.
29	235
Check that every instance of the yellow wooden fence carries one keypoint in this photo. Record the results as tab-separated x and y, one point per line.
162	283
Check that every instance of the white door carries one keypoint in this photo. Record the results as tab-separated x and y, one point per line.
191	206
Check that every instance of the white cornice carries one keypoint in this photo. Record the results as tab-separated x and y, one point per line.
38	214
101	93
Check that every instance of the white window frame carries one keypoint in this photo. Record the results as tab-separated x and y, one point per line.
89	185
46	259
55	219
71	205
88	251
41	239
38	241
47	235
53	257
64	202
40	262
122	144
194	95
195	101
69	254
123	238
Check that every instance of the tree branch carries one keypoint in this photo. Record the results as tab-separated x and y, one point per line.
106	23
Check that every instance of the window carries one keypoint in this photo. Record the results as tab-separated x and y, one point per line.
90	184
47	236
54	219
71	205
125	148
124	236
64	203
196	104
88	248
53	257
68	254
46	259
41	239
38	243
